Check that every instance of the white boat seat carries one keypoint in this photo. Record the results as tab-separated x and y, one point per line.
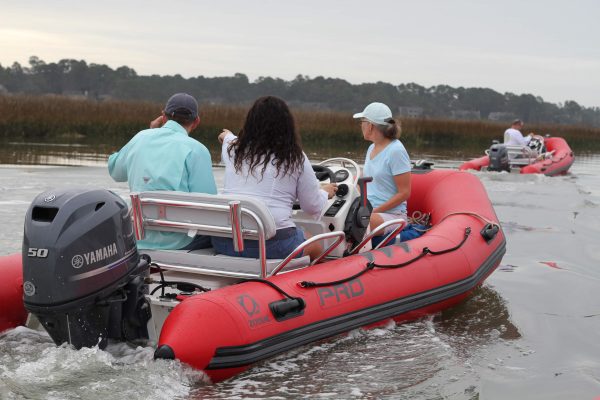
207	262
206	214
521	155
194	208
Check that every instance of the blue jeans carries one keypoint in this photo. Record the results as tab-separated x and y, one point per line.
279	246
410	231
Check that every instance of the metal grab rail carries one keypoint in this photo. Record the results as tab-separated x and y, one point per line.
401	224
235	213
341	236
234	230
138	217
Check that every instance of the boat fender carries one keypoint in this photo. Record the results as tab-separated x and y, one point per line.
287	308
489	232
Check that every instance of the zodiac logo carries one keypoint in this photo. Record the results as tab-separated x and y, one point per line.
248	304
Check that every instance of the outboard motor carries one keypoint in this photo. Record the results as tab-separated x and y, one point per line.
422	164
498	155
82	275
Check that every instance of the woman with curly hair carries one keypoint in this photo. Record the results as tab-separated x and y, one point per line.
265	161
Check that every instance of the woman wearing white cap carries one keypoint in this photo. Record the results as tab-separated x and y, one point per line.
387	162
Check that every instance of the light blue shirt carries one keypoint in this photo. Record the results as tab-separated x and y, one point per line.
164	158
391	161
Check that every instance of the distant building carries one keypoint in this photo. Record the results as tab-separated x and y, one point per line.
466	114
501	116
411	112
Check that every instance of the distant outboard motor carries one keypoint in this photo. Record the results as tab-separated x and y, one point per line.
82	275
422	164
498	155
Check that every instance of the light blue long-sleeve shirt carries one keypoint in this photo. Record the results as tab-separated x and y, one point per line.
164	158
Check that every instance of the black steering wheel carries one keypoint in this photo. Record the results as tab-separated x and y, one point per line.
323	173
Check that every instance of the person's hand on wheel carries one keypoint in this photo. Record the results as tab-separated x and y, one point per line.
330	188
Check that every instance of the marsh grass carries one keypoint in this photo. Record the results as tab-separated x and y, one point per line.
110	124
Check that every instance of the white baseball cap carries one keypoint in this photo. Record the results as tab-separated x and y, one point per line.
377	113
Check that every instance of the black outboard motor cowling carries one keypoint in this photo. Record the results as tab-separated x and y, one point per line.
82	275
498	155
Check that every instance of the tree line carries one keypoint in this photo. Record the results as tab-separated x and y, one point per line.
77	78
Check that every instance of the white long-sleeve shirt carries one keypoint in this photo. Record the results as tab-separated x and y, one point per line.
513	137
278	193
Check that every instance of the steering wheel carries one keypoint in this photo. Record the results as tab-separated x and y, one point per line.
344	163
323	173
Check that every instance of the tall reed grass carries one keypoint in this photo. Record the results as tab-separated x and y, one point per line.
111	123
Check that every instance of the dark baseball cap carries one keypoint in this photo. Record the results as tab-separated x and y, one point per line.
182	104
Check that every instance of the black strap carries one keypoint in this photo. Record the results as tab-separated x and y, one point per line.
372	265
274	286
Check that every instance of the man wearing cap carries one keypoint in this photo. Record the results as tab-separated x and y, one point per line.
513	135
166	158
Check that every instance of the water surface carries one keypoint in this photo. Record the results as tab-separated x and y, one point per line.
530	332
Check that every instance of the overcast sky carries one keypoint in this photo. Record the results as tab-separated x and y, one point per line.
546	48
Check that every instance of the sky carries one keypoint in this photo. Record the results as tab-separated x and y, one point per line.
546	48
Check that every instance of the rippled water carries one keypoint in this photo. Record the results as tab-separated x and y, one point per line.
530	332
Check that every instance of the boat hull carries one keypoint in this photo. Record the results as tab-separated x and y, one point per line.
12	309
225	331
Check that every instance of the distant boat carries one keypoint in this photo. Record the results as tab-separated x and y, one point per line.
549	156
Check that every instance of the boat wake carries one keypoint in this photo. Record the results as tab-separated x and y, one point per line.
33	367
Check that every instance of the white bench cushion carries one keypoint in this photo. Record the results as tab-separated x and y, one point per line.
207	260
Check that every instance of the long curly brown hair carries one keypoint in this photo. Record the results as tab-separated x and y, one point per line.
268	136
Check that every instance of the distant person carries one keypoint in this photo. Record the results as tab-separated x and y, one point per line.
265	161
387	162
166	158
513	135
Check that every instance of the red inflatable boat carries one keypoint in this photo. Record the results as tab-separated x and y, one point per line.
12	310
555	160
222	314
